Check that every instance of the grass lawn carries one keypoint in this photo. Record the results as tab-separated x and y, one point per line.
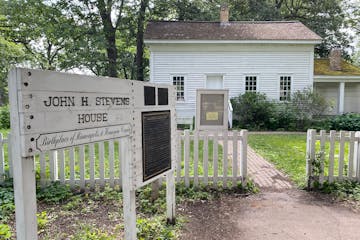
287	152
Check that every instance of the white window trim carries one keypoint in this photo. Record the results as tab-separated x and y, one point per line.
185	85
257	75
291	75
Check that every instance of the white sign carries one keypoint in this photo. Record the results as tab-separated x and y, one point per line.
51	110
50	141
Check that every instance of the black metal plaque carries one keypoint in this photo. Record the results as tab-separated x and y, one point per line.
149	95
156	143
163	96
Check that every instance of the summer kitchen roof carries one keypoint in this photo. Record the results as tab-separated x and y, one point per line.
230	31
322	67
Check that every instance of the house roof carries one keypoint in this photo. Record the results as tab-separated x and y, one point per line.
269	30
322	67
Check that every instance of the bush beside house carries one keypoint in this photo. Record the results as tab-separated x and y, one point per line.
306	109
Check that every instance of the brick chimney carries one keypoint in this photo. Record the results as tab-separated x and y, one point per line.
224	14
335	59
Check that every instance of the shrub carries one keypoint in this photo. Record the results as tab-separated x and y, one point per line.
252	110
349	122
4	117
307	104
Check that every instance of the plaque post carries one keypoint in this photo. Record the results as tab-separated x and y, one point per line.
24	173
129	198
170	197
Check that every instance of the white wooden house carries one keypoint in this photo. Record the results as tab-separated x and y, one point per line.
275	58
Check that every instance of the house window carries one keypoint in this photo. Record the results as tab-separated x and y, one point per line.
250	83
178	81
285	88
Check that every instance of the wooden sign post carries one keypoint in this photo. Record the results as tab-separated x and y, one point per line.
51	110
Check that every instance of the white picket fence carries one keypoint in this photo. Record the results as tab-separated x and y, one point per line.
211	159
333	156
99	163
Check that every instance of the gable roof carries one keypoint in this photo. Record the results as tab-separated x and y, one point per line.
322	67
234	31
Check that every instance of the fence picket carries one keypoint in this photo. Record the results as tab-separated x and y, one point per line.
10	163
61	159
92	164
331	155
322	156
187	157
357	155
102	163
341	155
72	166
225	158
243	158
196	158
235	158
111	162
179	158
42	170
53	166
215	159
206	158
351	154
2	159
120	161
82	166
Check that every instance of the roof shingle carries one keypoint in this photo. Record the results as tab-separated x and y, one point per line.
171	30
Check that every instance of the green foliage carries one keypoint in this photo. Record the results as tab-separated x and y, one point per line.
341	190
154	228
42	220
54	193
349	121
5	117
7	205
5	231
88	232
316	164
306	104
252	110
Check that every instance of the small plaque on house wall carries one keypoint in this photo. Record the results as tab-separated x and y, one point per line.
211	109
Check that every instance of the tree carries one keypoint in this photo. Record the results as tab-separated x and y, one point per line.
140	40
46	34
11	54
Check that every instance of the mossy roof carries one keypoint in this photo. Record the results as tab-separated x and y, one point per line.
322	67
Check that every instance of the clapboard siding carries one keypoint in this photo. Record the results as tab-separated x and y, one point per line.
195	62
352	96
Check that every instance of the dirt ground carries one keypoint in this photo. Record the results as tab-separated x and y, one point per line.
270	215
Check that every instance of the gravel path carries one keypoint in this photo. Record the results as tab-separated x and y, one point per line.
279	212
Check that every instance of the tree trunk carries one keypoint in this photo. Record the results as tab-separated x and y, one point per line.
140	41
109	33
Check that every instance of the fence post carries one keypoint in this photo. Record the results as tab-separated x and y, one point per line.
310	155
243	160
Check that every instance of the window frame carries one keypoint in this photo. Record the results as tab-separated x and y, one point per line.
291	79
256	81
184	89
